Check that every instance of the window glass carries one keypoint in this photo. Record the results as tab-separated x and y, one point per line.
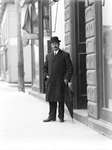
107	52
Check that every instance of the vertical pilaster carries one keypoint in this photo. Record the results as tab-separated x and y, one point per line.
91	61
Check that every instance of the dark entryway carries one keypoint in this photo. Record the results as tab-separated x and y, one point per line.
79	56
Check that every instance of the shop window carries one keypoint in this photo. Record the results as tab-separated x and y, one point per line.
107	53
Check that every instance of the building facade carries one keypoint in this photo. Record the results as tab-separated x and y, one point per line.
87	37
84	28
8	50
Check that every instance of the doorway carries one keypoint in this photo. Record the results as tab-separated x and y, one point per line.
79	55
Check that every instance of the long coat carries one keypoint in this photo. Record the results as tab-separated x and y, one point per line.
58	68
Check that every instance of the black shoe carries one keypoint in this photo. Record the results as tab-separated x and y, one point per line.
62	120
49	119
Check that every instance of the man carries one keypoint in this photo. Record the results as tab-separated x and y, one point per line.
58	72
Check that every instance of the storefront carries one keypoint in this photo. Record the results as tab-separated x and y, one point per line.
98	67
85	33
88	36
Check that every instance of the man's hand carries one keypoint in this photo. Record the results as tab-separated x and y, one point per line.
70	85
66	81
47	77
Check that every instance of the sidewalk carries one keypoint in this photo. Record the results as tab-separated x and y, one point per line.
21	126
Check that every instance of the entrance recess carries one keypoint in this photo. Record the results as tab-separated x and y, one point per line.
80	45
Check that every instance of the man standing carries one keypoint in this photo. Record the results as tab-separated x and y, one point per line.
58	71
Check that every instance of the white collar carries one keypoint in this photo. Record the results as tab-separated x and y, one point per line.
55	52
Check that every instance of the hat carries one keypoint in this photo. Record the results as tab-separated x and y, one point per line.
55	39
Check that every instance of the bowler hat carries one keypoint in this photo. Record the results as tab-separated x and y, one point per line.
55	39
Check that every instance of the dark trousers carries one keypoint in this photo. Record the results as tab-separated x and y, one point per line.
53	109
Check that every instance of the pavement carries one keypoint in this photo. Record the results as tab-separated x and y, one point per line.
22	126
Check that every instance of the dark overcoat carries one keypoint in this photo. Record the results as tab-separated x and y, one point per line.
58	68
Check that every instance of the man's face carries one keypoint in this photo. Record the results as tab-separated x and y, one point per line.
55	46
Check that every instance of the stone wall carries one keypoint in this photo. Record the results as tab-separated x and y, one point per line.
91	59
68	25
